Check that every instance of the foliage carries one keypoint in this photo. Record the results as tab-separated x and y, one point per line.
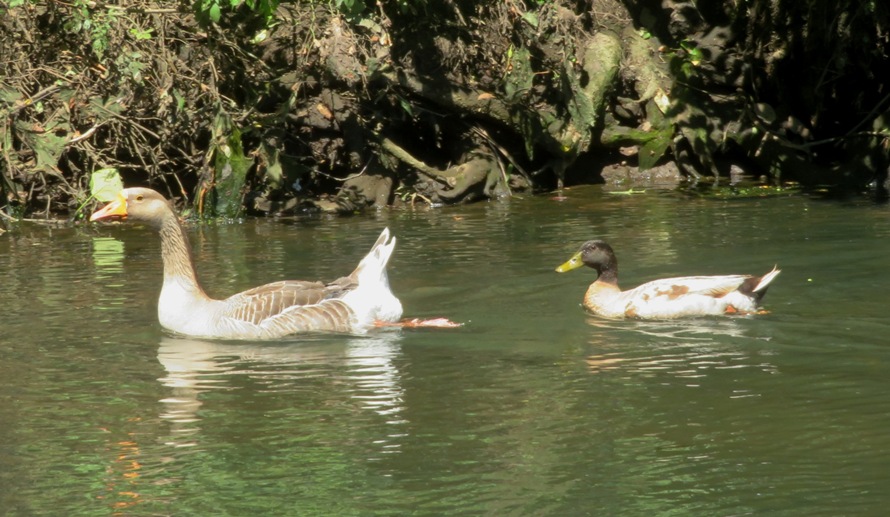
230	167
660	135
221	99
105	184
103	91
211	11
358	10
351	8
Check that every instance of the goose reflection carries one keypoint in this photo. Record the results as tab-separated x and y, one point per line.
366	368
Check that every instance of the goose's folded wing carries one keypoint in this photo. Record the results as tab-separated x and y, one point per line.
329	315
267	301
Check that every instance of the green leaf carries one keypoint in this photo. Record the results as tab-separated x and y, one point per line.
105	184
104	109
10	96
230	168
519	81
531	19
47	143
260	37
214	13
273	173
180	101
406	106
653	150
140	34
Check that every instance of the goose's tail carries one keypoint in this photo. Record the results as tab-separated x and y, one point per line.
371	299
372	268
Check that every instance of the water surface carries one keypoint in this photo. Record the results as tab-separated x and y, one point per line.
532	408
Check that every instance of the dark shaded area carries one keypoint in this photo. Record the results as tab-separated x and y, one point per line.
307	108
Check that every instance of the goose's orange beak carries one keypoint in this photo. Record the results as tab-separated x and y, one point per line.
117	208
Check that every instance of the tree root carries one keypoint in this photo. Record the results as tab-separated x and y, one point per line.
456	183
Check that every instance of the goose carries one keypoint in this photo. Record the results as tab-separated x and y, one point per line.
665	298
351	304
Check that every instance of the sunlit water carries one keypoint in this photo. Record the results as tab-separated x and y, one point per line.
532	408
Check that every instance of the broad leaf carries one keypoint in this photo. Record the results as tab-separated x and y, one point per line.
105	184
653	150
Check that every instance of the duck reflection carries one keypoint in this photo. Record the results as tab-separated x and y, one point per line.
681	348
365	369
694	329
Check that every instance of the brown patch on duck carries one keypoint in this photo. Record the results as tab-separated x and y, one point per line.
674	292
630	312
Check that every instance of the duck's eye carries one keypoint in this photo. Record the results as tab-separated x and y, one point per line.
139	197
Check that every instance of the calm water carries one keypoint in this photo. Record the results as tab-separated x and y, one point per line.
532	408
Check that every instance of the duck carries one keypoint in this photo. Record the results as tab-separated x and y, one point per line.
351	304
666	298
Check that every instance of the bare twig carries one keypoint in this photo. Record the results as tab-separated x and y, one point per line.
351	177
42	94
484	134
86	134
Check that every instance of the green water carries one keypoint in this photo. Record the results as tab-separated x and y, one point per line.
532	408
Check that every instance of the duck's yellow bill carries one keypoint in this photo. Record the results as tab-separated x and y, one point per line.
573	263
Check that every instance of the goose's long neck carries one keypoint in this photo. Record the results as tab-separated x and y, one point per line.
177	256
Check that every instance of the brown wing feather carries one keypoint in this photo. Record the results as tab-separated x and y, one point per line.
332	315
265	301
342	284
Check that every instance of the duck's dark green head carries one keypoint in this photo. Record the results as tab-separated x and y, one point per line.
596	254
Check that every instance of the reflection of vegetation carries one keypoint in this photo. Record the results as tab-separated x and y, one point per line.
743	192
108	253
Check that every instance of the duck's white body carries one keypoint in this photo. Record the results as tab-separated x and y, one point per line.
679	297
